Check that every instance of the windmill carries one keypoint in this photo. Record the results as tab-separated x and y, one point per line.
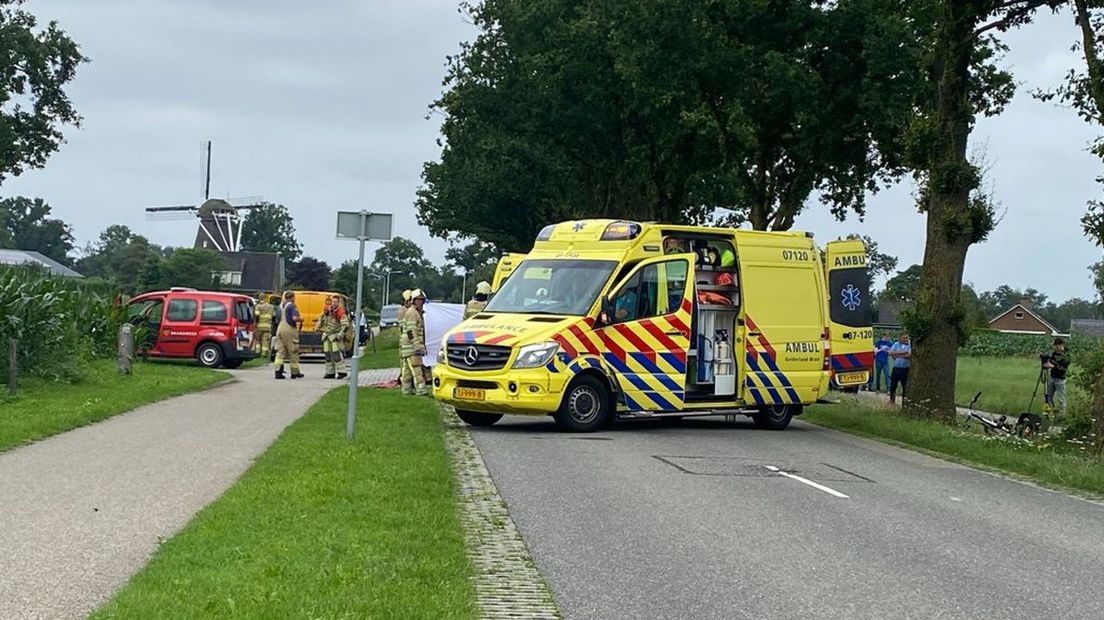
220	221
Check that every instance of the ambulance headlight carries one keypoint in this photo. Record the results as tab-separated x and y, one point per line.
442	353
536	355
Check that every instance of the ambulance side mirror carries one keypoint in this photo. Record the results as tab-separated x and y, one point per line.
605	315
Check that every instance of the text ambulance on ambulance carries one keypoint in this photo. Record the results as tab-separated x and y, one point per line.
611	318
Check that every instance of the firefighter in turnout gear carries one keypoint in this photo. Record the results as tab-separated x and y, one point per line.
347	337
406	347
262	335
415	333
287	337
479	301
332	330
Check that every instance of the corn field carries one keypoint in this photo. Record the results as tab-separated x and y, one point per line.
58	322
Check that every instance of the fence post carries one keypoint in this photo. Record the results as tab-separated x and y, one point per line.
13	350
126	349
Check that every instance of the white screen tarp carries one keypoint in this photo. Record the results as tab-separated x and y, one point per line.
439	319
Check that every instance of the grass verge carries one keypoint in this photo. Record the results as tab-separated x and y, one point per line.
320	527
1046	463
386	354
42	408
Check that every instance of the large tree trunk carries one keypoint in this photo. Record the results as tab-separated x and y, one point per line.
1097	411
936	318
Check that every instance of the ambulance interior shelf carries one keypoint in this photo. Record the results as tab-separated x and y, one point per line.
711	368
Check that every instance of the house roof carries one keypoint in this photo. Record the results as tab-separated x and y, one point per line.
1028	311
29	257
1087	327
261	271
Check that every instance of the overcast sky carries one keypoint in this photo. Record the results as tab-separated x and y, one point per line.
321	106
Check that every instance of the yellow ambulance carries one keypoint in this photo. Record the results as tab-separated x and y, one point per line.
504	268
609	319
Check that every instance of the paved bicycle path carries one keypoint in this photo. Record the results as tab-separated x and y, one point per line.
83	511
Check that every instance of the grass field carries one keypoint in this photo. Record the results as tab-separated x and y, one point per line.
1005	385
43	408
1056	465
320	527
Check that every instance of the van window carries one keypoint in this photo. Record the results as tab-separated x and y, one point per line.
243	311
213	312
181	310
552	286
849	292
655	290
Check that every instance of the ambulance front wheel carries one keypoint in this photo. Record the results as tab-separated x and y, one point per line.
773	418
585	407
475	418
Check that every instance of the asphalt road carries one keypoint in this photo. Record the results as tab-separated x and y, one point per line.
82	511
687	520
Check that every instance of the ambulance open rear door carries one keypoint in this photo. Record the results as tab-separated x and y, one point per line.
849	311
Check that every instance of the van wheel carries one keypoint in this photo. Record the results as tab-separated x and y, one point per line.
475	418
232	364
773	418
585	407
209	355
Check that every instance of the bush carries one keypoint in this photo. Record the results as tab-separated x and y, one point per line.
58	322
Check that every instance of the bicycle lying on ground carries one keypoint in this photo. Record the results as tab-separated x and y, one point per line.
1027	425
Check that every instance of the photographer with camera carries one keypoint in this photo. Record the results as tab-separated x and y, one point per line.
1057	362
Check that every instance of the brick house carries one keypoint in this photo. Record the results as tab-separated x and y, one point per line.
1021	319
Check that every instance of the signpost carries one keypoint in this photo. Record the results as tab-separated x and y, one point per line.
362	226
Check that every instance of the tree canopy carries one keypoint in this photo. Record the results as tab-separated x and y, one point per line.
665	110
195	268
120	256
35	66
25	225
271	228
311	274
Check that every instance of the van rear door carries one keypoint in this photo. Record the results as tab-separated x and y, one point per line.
648	338
783	320
849	312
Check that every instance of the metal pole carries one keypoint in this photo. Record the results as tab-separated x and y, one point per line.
13	351
350	422
207	183
387	288
464	288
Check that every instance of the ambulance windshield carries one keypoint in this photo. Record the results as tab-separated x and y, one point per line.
552	286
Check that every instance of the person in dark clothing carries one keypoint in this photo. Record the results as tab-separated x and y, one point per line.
1057	362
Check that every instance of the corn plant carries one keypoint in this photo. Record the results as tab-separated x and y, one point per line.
58	323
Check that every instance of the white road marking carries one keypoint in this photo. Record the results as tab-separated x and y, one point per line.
815	485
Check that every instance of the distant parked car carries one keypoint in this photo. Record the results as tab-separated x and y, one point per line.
389	315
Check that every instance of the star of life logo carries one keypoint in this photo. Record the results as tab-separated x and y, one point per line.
850	297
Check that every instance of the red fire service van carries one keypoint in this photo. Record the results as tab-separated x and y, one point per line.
215	328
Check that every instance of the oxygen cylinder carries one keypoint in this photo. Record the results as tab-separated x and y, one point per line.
724	367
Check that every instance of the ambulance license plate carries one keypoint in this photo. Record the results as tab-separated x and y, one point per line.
469	394
849	378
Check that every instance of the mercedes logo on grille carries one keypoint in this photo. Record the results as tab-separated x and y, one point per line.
471	356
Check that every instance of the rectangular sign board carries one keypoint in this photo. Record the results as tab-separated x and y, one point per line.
377	227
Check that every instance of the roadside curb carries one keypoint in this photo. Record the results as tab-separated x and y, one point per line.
507	582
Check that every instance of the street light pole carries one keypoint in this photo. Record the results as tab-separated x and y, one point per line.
387	287
464	288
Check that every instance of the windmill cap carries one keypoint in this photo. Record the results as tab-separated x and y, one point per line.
483	288
406	294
